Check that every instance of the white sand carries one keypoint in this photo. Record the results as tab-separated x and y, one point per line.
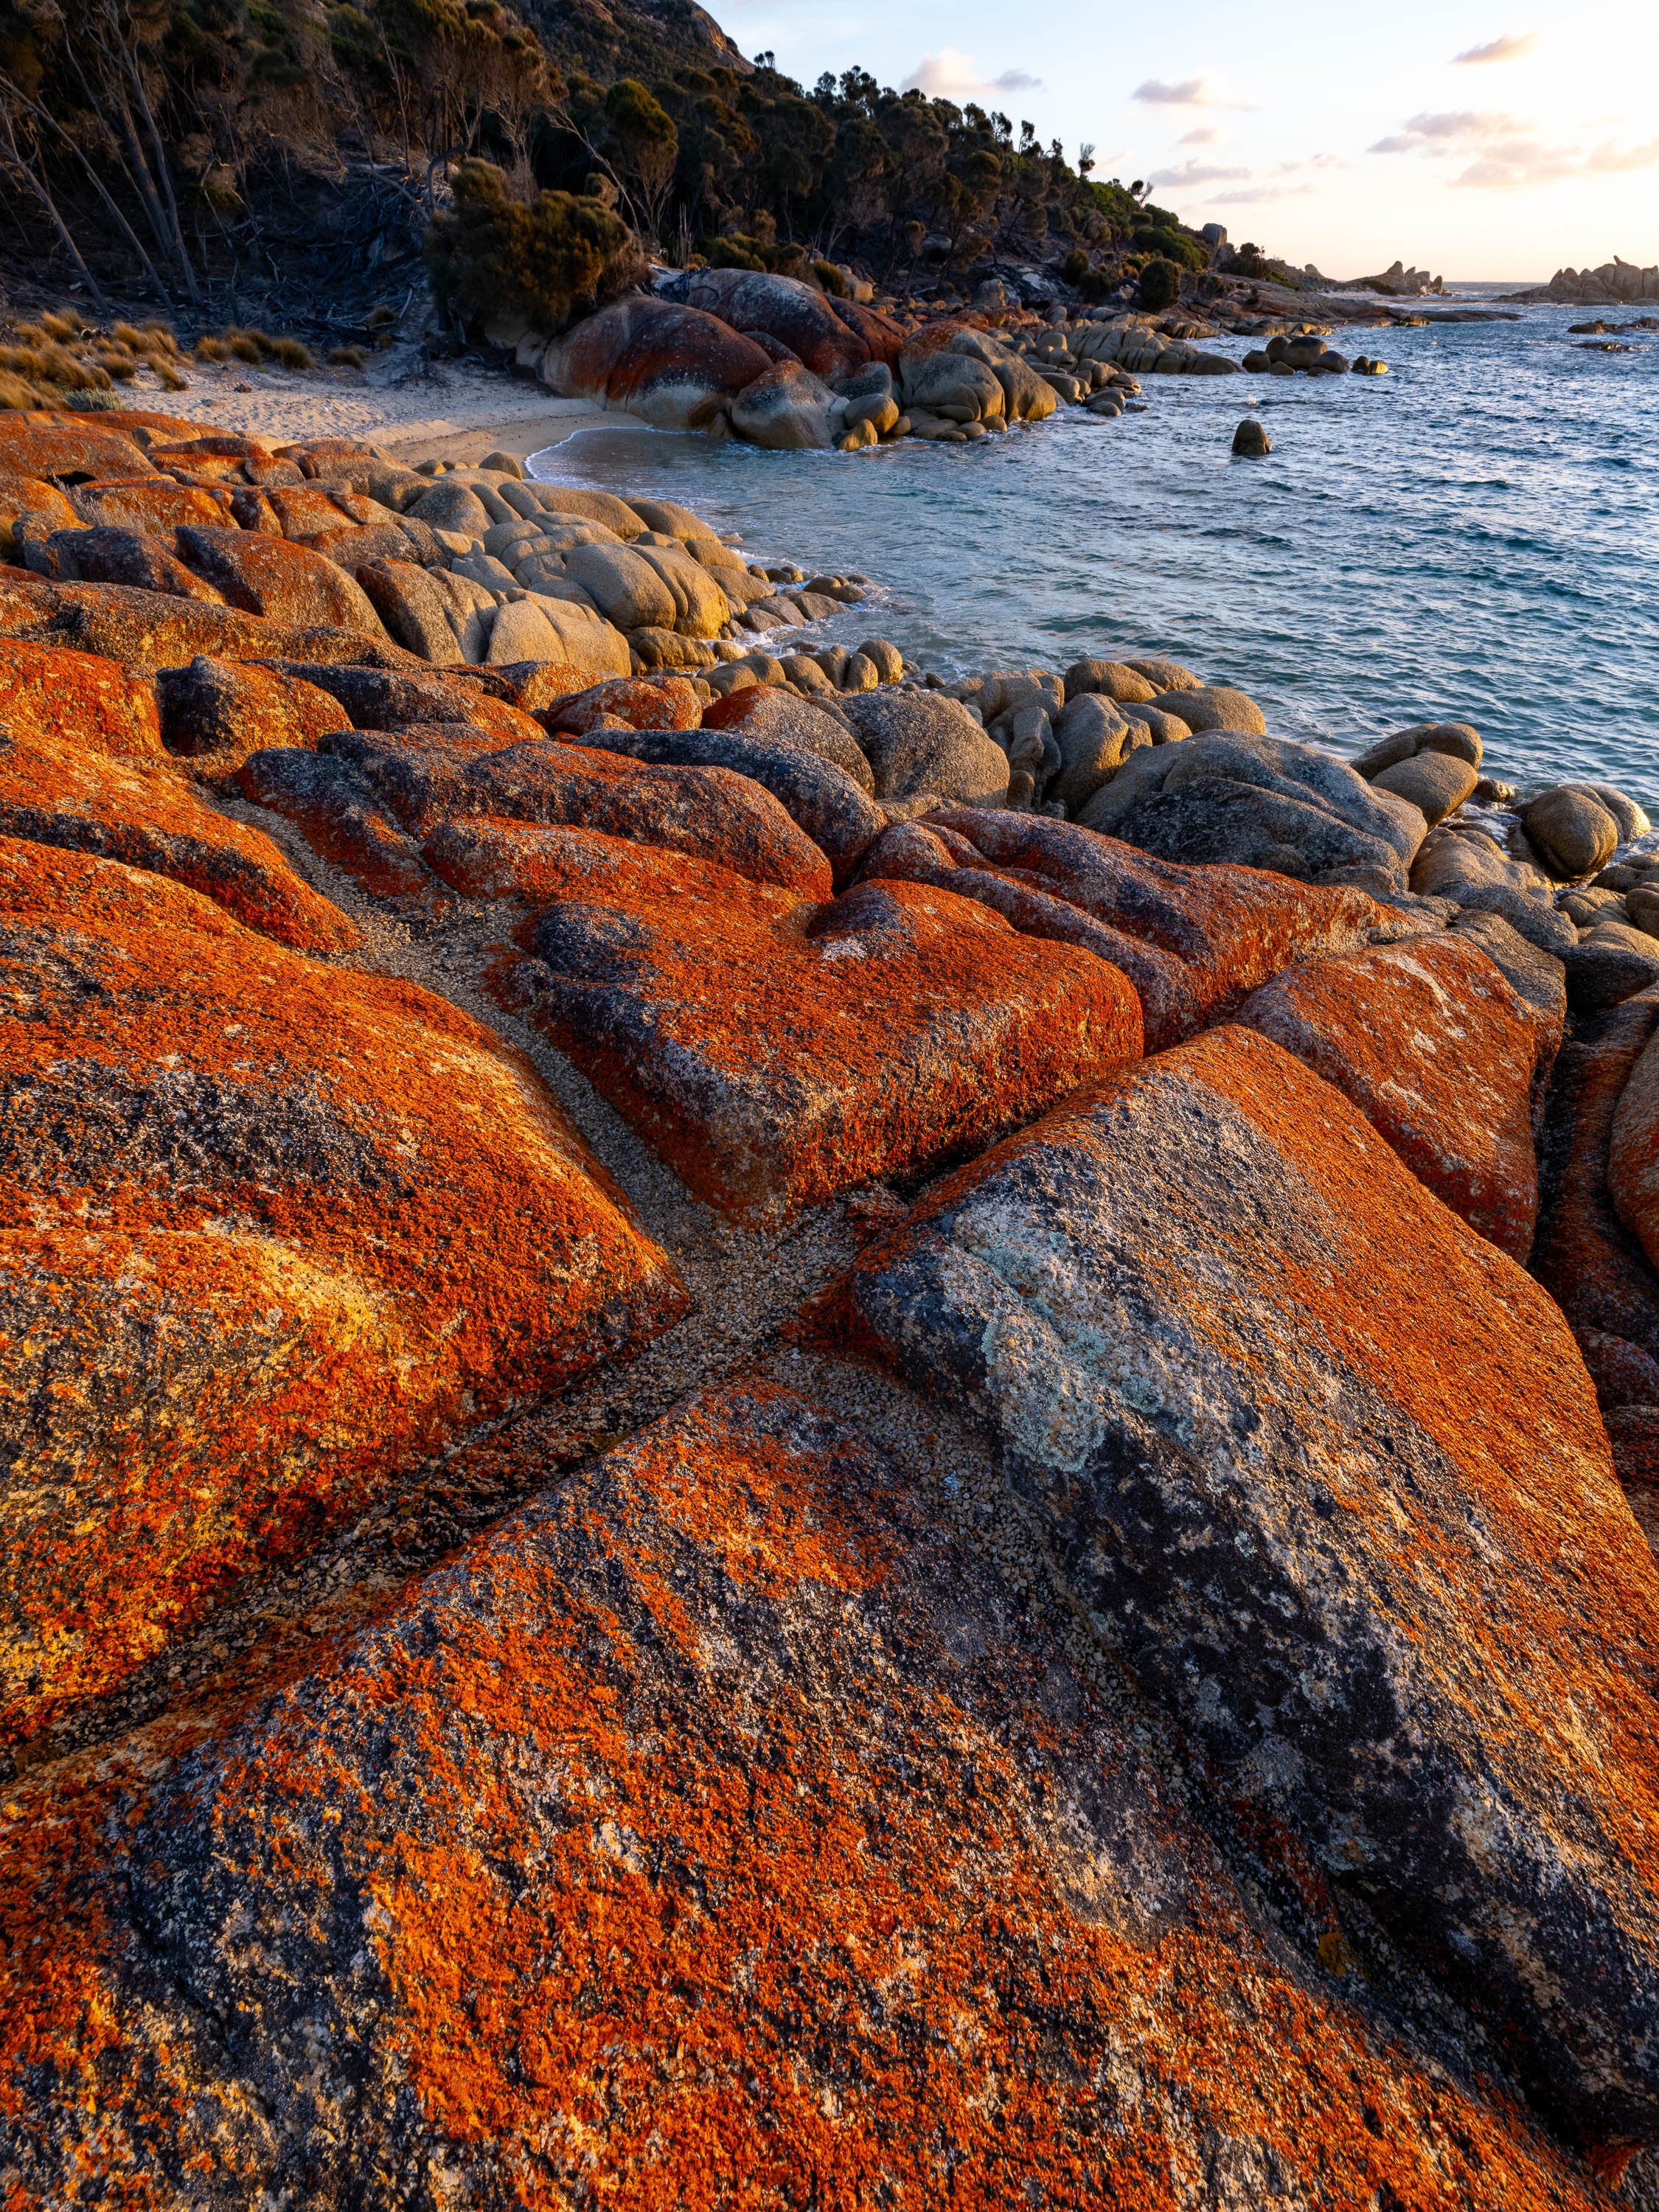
453	411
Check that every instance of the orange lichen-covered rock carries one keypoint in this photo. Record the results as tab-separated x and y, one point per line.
273	1233
150	630
378	698
674	366
153	503
101	705
215	712
671	704
717	1833
776	1051
144	813
444	773
25	495
283	583
1441	1056
70	451
1585	1257
1326	1470
1193	941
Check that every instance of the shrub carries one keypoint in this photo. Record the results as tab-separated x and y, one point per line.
1160	285
1173	245
547	259
832	278
1075	267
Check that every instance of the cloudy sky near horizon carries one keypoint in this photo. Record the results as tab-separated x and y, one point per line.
1480	138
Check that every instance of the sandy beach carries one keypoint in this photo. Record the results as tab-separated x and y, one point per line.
451	410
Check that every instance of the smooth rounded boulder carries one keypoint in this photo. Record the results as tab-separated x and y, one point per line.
1436	783
674	366
921	741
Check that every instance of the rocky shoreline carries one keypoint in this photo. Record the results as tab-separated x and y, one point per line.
780	1431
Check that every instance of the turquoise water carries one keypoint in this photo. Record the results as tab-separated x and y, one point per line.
1475	537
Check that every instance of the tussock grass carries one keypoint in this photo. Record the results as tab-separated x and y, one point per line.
346	357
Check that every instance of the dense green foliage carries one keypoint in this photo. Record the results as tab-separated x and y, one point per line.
544	259
187	147
1160	285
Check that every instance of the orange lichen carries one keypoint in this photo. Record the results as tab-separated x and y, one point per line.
777	1051
722	1840
1441	1057
273	1233
98	703
144	813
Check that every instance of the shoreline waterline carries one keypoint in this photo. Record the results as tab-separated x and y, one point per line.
1473	536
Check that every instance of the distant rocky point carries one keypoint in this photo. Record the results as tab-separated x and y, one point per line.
1611	285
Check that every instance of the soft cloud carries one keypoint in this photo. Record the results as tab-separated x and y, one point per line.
1285	180
1206	136
1191	92
950	74
1193	174
1509	48
1505	153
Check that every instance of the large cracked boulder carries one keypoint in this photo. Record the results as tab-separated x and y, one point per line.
146	629
1443	1059
675	367
1325	1469
408	784
797	315
277	1231
776	1051
284	582
944	367
1264	802
831	806
719	1824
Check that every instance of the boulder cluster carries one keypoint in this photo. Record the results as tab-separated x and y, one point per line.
775	1438
767	358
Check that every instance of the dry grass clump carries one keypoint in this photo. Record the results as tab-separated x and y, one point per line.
346	357
256	347
58	361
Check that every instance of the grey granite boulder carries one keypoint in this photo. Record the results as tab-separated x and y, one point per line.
1263	802
1434	783
1461	862
1324	1469
921	741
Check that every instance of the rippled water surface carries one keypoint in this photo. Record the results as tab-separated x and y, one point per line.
1473	536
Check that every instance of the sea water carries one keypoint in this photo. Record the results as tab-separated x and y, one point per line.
1473	538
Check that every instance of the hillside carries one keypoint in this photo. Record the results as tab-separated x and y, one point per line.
228	161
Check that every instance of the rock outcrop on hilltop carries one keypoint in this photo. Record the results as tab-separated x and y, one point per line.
772	1432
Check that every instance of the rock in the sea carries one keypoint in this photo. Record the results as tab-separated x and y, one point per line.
1251	438
1213	707
1264	802
1326	1470
776	1051
1441	1055
888	1872
1436	783
1458	740
1113	679
917	741
785	409
288	1227
1464	863
1571	831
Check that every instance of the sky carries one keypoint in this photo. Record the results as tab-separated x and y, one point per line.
1479	139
